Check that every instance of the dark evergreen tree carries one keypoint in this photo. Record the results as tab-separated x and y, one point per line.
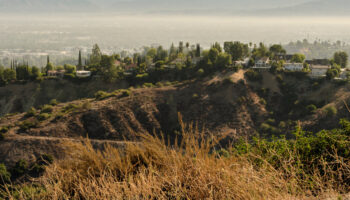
80	63
198	50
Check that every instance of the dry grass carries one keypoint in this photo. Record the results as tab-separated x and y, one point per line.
156	170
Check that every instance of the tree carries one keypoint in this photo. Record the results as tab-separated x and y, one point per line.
260	52
276	66
277	49
108	69
49	67
298	58
70	69
80	63
332	73
152	52
223	60
96	55
23	72
2	80
213	55
161	54
198	50
217	46
172	52
181	47
35	72
341	58
237	50
9	75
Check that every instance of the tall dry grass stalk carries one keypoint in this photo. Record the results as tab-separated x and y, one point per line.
154	169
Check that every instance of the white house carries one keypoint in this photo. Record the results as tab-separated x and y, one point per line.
83	74
243	63
196	60
262	64
56	73
344	73
319	70
294	67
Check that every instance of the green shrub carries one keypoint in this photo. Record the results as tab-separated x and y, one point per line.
86	105
100	95
262	101
279	78
70	108
4	129
331	111
30	113
47	109
282	125
26	125
168	83
58	117
159	84
20	168
324	152
43	116
271	121
148	85
4	174
253	75
125	93
45	159
311	109
53	102
200	72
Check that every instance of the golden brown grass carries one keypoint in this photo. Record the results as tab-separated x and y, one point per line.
155	170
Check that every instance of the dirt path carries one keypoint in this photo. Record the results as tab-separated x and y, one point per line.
57	139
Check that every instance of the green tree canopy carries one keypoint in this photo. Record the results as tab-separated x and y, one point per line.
108	69
96	55
35	72
237	50
70	69
9	75
298	58
260	52
341	58
213	55
277	49
49	67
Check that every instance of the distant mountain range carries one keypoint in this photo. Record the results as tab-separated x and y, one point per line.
222	7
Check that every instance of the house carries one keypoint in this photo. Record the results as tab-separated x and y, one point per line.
243	63
344	73
56	73
318	62
177	61
117	63
286	57
83	74
196	60
262	64
318	71
293	67
130	68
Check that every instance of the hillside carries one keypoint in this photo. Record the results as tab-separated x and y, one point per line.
18	98
226	104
